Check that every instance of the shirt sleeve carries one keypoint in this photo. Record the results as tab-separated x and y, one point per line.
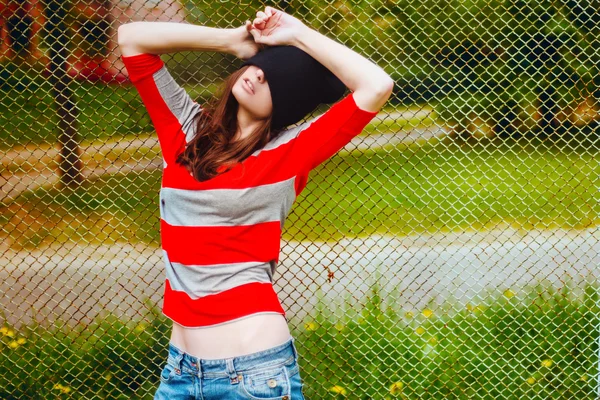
324	135
169	106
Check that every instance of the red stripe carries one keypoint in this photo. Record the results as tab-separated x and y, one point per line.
141	69
142	65
270	166
168	128
228	305
205	245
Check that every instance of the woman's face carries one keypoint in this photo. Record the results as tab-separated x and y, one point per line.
252	92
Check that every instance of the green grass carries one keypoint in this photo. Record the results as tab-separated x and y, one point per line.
535	343
439	187
408	121
28	114
447	185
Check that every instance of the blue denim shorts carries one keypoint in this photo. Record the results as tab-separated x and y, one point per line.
271	374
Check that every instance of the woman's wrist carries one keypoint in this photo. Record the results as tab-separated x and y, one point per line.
300	33
233	39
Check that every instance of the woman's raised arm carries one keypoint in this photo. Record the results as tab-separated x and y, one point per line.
169	37
371	85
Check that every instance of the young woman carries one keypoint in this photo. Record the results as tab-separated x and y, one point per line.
232	169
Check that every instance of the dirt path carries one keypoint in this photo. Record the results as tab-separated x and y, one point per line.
77	282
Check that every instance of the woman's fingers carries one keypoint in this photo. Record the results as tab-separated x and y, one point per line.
262	18
258	24
269	11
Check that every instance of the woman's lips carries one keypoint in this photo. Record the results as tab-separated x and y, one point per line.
247	86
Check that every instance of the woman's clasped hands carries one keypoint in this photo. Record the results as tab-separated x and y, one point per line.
271	27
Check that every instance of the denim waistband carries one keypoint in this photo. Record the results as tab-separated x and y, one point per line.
284	354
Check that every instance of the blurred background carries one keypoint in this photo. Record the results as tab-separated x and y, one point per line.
450	251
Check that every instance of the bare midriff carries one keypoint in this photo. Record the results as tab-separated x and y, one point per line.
232	339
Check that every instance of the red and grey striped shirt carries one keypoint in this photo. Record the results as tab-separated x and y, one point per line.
220	238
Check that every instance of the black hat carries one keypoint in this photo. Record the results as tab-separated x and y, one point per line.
298	83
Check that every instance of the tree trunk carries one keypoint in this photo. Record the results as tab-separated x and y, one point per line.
70	164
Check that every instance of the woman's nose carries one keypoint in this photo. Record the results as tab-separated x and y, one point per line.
260	75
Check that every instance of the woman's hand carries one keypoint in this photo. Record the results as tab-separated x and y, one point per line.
276	28
243	45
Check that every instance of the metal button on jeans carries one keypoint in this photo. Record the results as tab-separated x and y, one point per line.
272	383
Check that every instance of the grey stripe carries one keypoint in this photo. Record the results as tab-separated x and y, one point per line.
178	100
228	207
287	135
203	280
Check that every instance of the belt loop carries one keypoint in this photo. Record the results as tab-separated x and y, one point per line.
178	361
233	376
294	349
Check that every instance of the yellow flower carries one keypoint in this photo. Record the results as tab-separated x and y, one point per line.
310	326
10	333
338	389
531	380
396	387
509	293
427	313
108	376
433	340
66	389
21	340
58	386
420	330
3	330
583	378
547	363
409	314
469	307
339	326
13	344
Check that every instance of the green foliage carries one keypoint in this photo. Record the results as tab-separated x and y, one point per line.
534	342
490	60
110	358
540	342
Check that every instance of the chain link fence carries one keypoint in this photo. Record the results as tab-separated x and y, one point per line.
450	251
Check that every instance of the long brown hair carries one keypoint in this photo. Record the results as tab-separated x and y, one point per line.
212	150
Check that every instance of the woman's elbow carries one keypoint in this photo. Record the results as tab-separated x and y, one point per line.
126	40
388	86
371	99
124	32
378	86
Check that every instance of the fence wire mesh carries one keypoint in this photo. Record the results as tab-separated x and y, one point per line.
450	251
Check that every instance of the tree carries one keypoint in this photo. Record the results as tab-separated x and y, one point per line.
70	164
